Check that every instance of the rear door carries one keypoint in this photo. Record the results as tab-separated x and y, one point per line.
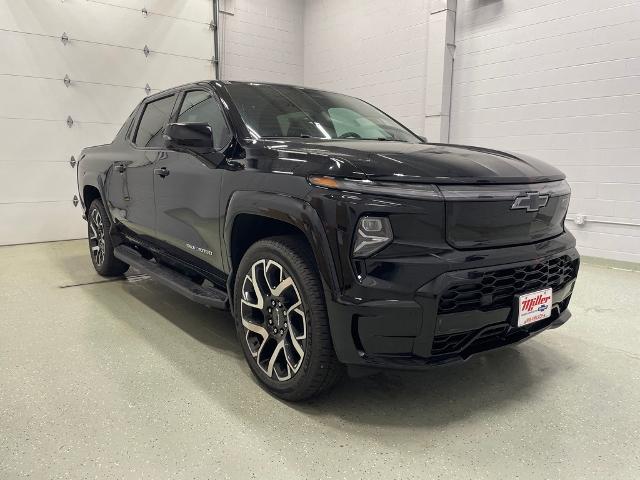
130	186
187	188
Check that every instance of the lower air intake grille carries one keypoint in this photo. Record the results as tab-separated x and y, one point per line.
444	344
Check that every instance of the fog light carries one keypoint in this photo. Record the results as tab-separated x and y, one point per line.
372	235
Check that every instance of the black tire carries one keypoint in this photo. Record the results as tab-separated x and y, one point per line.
319	369
103	259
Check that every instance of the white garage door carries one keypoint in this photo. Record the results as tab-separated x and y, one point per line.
108	69
560	80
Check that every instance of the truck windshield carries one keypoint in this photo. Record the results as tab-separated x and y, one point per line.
273	111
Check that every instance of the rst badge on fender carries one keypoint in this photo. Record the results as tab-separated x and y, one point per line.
534	306
199	249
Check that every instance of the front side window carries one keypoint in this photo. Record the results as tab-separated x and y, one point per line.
201	107
154	118
282	111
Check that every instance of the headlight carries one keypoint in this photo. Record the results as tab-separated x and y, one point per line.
372	234
408	190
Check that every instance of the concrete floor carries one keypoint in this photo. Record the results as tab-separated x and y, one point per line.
127	379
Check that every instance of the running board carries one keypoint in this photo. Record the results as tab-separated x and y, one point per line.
209	296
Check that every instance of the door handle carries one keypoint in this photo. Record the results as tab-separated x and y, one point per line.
119	167
163	172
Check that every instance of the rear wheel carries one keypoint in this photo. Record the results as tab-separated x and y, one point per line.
281	319
100	244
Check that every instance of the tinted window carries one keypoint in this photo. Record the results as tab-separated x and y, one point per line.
282	111
155	117
125	126
201	107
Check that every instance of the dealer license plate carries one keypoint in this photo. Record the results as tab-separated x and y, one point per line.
534	306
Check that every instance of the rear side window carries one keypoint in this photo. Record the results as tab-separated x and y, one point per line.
124	130
154	118
200	107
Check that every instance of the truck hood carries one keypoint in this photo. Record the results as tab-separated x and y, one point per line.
431	162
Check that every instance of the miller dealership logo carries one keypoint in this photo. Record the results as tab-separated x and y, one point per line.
531	201
539	302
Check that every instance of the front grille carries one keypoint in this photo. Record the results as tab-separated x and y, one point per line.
493	289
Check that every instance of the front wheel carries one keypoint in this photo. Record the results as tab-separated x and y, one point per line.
281	319
100	244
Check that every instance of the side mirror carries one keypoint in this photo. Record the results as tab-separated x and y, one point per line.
423	138
196	137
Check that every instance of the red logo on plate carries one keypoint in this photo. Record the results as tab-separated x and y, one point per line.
530	304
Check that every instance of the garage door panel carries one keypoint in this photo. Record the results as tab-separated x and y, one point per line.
46	100
160	33
40	222
95	22
108	69
46	55
27	140
191	10
85	62
13	13
37	182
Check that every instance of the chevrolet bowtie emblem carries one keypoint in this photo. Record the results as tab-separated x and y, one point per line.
531	201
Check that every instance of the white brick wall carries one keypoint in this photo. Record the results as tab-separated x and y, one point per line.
560	81
262	40
374	49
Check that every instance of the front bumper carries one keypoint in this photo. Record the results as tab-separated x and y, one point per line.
457	314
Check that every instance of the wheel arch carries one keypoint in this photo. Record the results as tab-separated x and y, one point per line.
89	194
92	190
252	216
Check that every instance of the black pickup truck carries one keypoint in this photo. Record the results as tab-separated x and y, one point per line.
333	233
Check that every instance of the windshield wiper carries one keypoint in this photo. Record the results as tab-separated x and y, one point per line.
384	139
302	135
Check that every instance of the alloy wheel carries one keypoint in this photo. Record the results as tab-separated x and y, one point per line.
96	237
274	319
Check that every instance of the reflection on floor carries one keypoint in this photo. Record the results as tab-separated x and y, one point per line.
128	379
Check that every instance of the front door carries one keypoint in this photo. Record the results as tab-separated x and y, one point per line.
187	186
